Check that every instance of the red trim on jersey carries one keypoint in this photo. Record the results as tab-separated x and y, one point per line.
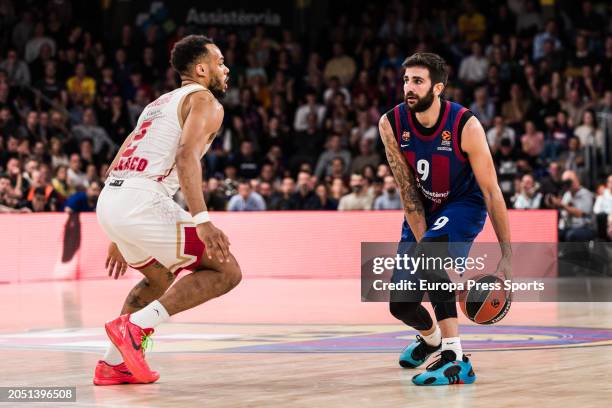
411	157
192	246
455	135
440	126
440	166
397	124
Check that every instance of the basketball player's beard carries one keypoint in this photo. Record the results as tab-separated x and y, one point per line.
422	104
217	88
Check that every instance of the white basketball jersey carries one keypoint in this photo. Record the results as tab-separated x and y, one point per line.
152	151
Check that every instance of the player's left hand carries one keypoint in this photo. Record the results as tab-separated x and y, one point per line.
115	263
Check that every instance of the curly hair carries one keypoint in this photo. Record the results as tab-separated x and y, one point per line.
186	51
435	64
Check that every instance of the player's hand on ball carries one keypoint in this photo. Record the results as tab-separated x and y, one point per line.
115	263
217	243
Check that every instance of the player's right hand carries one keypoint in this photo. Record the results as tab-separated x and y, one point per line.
217	243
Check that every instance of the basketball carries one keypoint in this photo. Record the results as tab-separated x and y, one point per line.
486	302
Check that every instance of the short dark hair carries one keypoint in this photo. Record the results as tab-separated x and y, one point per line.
186	51
435	64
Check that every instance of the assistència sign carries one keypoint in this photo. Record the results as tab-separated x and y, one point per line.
233	17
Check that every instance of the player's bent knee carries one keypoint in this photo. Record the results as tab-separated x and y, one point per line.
411	313
233	276
402	310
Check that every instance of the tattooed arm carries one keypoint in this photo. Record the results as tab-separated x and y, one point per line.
413	207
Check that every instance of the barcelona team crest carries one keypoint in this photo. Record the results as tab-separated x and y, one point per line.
446	135
406	136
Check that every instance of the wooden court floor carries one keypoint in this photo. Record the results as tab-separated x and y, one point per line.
300	343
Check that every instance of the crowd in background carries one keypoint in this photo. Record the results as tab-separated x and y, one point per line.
300	129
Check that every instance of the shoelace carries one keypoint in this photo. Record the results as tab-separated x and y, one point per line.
147	342
441	361
420	349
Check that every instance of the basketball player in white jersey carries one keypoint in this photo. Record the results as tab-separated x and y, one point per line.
148	230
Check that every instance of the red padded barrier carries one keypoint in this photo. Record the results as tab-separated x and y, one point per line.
37	247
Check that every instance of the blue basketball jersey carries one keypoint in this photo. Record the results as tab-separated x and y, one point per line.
441	169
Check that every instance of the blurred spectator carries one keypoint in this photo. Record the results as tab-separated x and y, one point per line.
603	203
17	71
333	150
246	199
265	191
532	141
33	46
515	109
340	65
544	106
358	199
473	69
529	198
213	197
283	200
574	106
304	191
84	201
39	201
603	210
390	198
552	184
482	108
89	129
334	87
366	157
529	18
60	182
301	122
472	25
76	177
246	161
588	133
321	199
549	34
573	158
81	88
576	206
498	132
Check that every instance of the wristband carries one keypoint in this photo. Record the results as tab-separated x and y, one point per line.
201	218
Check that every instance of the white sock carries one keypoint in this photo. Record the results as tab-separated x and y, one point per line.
434	338
112	355
150	316
454	344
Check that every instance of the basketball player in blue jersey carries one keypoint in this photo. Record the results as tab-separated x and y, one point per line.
439	156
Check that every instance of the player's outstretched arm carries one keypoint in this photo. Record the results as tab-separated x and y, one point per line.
204	118
474	144
413	207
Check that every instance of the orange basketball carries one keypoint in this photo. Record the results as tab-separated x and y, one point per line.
486	302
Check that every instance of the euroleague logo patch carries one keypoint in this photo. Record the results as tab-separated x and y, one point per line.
446	141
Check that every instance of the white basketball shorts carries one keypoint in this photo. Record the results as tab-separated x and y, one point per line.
147	225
